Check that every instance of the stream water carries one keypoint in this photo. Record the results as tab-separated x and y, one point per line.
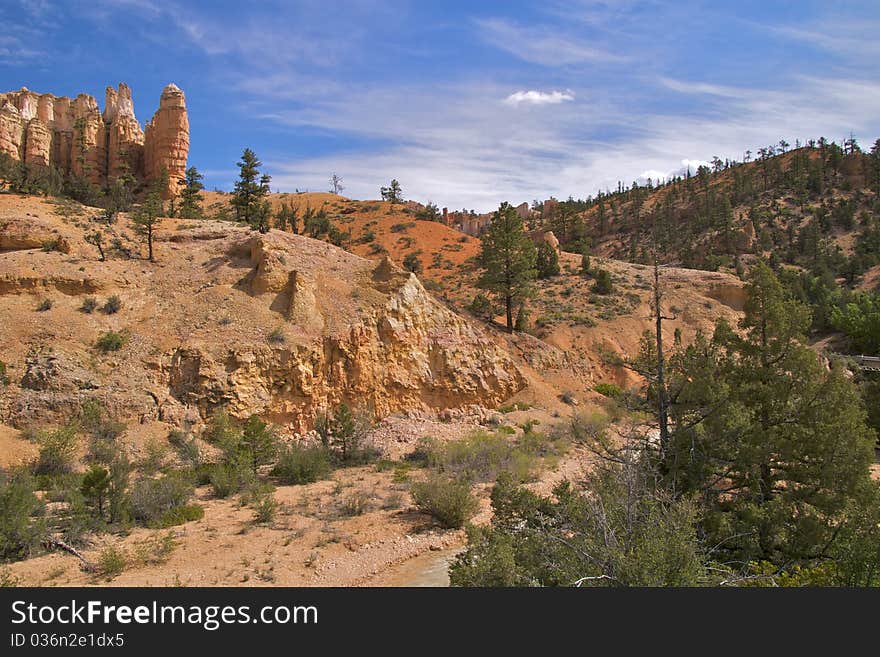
429	569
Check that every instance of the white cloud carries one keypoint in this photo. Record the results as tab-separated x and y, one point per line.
690	165
653	175
469	142
473	153
539	97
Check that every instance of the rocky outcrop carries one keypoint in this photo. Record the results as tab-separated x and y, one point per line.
75	137
275	324
125	140
38	143
405	352
11	129
167	140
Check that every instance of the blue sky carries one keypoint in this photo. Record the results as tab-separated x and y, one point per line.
466	103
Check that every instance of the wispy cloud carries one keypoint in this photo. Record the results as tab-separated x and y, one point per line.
850	38
472	155
541	44
704	88
565	98
14	52
538	97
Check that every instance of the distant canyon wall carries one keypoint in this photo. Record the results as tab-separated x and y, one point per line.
74	136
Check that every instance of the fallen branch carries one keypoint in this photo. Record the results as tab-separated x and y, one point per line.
55	544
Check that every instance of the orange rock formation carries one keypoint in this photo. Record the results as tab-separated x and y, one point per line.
75	137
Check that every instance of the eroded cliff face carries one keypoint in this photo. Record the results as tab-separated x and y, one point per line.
74	136
402	352
278	325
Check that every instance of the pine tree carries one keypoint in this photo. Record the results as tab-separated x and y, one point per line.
604	283
774	443
95	488
392	193
251	189
96	239
547	261
287	216
258	443
191	195
507	258
146	217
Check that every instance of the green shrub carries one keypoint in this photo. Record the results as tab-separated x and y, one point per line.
515	406
541	445
609	390
57	449
589	427
103	432
412	262
619	531
448	500
265	509
356	504
303	465
423	452
179	515
222	430
45	304
479	457
4	377
151	499
112	305
392	501
481	306
7	579
228	478
89	305
110	341
603	284
22	526
111	562
586	267
155	550
344	432
95	488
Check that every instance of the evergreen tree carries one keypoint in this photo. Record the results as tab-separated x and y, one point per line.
860	320
547	261
119	194
258	444
875	166
604	283
622	530
392	193
191	195
775	445
287	216
146	217
251	189
96	239
507	258
95	487
586	266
